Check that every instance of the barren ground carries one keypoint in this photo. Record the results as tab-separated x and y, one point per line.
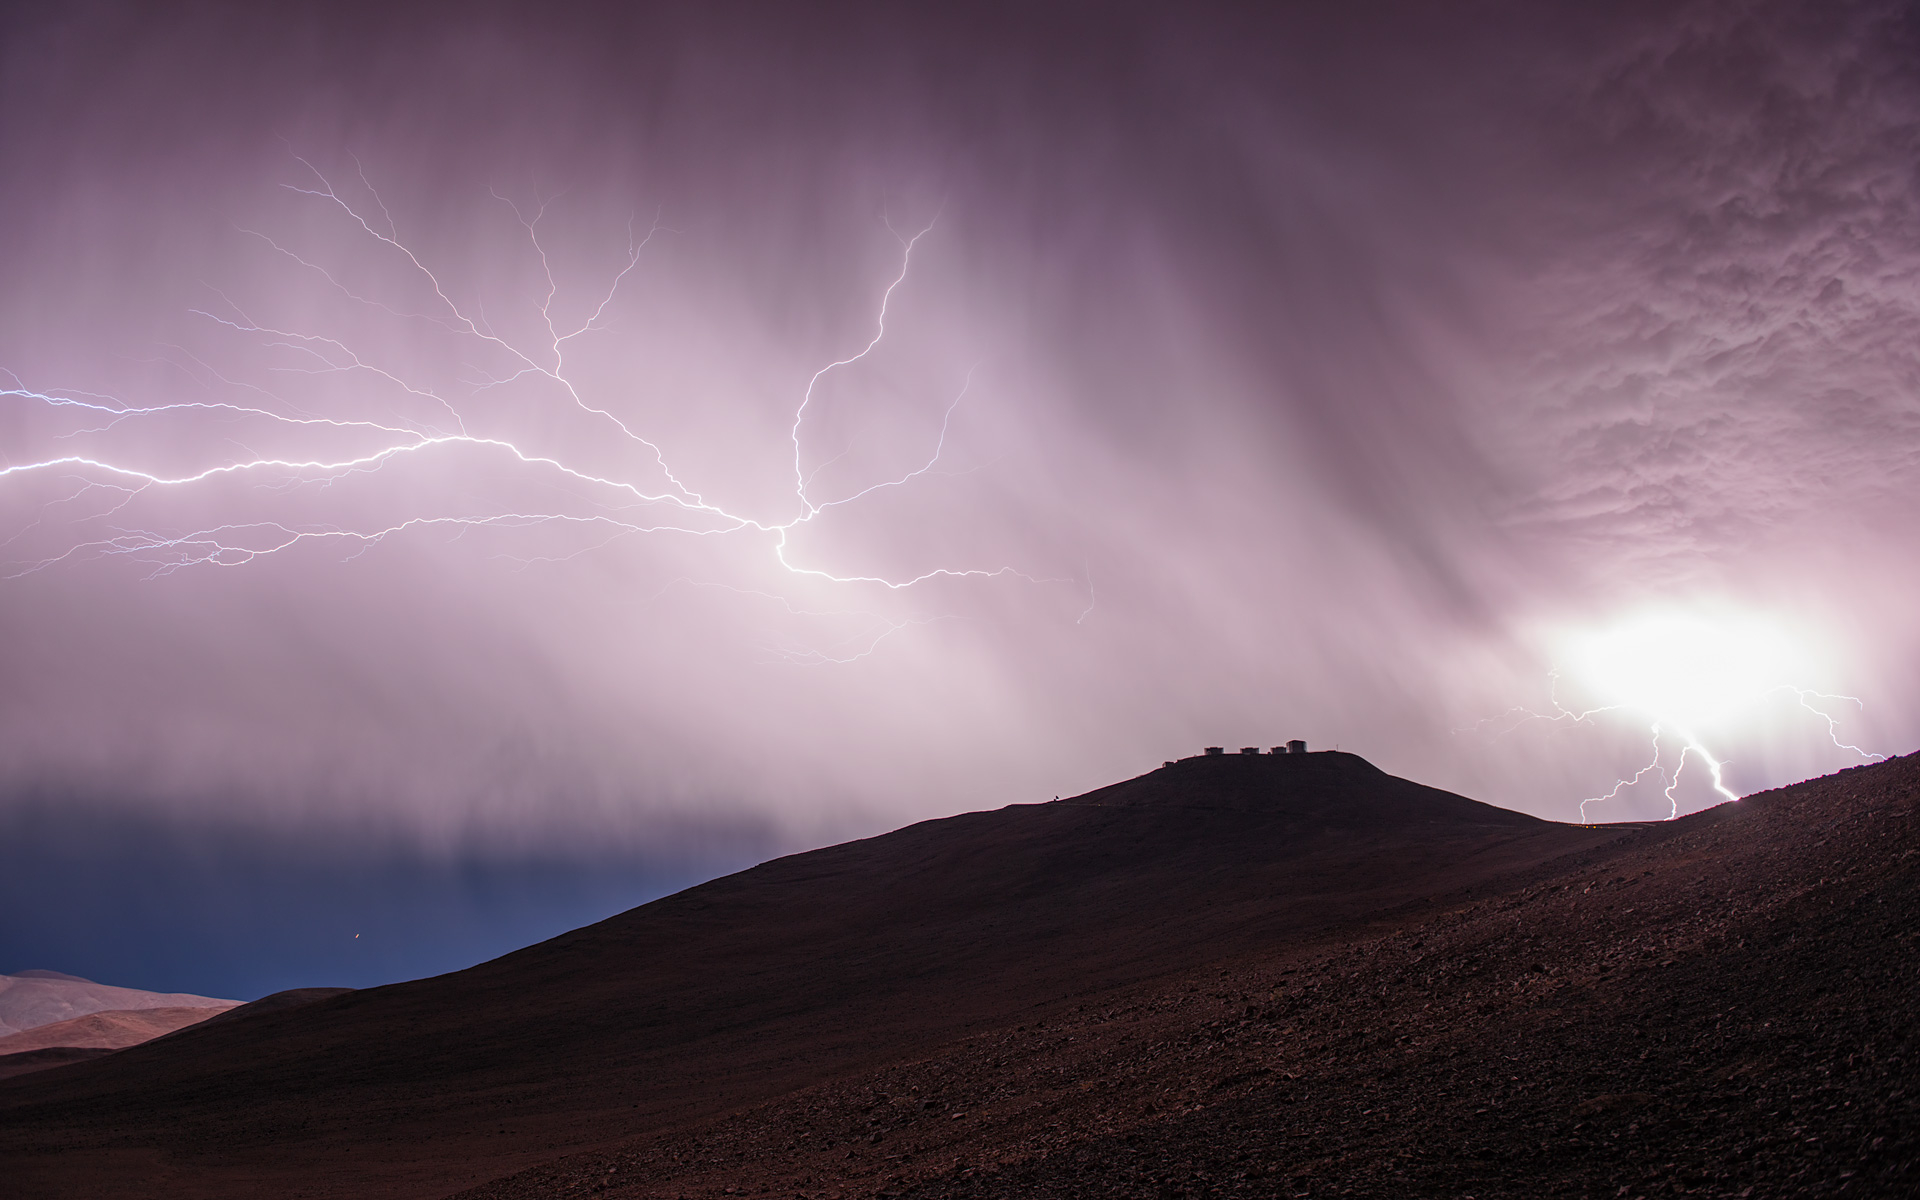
1719	1006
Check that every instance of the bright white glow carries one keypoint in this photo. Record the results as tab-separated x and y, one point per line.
1683	672
1683	669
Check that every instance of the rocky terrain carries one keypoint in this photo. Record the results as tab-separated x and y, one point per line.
1216	980
1721	1006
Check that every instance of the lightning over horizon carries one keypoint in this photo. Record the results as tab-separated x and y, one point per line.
1675	670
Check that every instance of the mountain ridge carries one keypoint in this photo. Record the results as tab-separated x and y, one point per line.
801	971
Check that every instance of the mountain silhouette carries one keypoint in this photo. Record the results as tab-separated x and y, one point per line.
799	975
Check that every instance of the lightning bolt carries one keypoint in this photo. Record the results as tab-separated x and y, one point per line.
1621	784
1514	718
879	332
1520	714
95	487
1806	698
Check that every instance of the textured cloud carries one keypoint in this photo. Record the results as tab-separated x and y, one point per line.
1726	362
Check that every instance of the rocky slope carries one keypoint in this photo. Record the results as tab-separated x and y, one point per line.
1719	1006
1215	980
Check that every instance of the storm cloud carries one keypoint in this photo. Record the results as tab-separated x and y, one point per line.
1291	375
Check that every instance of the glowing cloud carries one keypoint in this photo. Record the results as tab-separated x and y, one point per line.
1683	672
1683	669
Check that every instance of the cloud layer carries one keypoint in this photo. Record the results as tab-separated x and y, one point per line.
1275	377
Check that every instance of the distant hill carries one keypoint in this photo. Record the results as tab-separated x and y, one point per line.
111	1030
31	999
95	1034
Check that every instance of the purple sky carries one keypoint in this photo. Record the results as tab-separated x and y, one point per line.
1322	377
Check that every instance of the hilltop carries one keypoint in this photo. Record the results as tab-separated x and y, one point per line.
1267	975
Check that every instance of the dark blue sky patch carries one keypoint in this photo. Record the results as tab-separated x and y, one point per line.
137	900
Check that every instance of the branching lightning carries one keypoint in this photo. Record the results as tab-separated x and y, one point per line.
1622	784
99	489
1670	686
1807	697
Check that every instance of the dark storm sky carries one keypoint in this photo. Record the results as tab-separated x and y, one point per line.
1338	375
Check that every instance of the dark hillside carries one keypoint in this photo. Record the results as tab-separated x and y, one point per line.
1719	1006
746	988
1326	789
